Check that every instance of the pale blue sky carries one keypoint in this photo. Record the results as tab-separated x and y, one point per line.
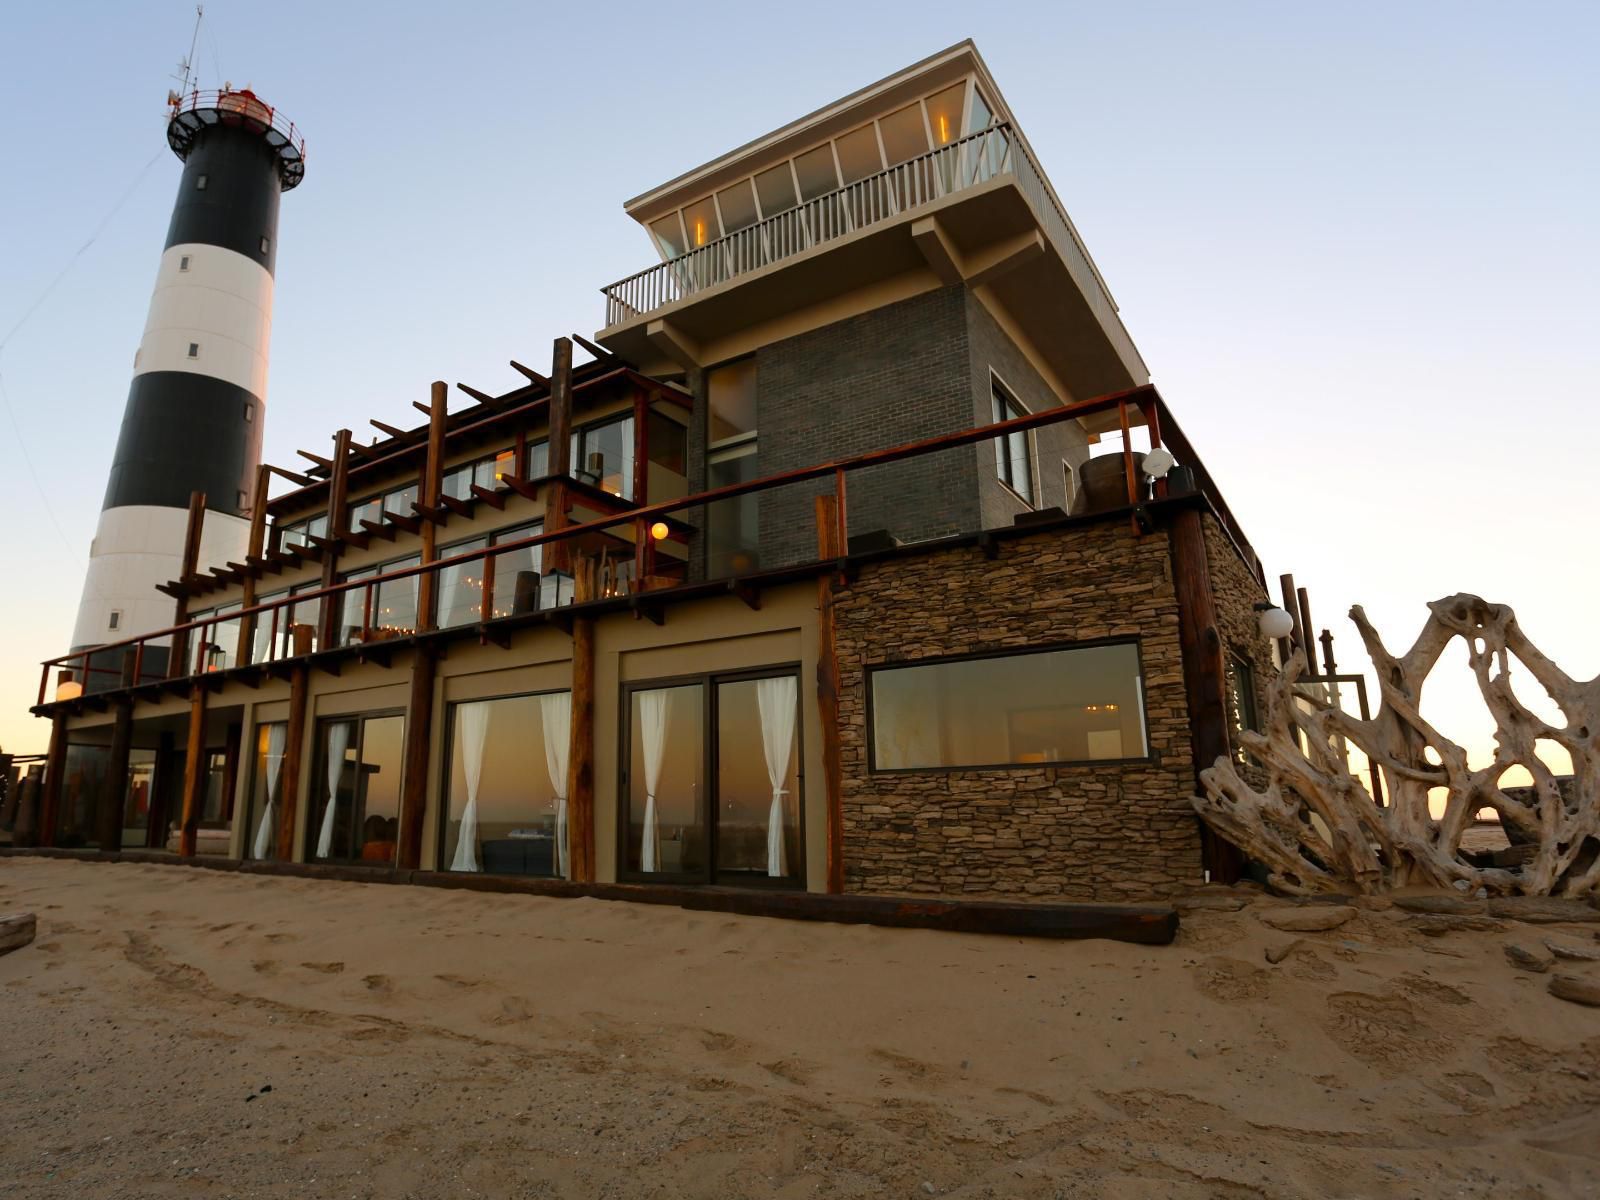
1356	244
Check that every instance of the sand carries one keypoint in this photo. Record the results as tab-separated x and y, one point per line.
426	1043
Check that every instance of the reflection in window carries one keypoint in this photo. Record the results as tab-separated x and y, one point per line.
731	397
266	791
1075	705
733	526
355	790
602	455
738	205
775	189
700	223
666	822
669	234
944	114
1241	703
758	790
506	806
394	604
815	171
1011	453
858	154
140	795
904	134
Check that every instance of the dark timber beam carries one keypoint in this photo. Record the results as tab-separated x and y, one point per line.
580	748
258	542
531	375
414	774
294	745
338	485
828	547
1205	679
116	784
194	773
558	555
178	662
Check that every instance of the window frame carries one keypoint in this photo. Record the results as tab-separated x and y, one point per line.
319	771
442	821
709	876
1000	396
1150	756
252	778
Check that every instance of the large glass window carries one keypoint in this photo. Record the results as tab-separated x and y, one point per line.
669	234
775	188
301	532
816	173
738	205
713	780
274	638
700	223
139	797
1012	457
489	472
602	455
904	134
731	398
83	782
944	114
733	526
505	807
266	791
355	790
394	604
1079	704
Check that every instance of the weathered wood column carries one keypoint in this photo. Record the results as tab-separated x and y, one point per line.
55	769
1205	678
338	484
828	549
258	541
415	773
178	662
25	829
116	789
557	556
194	773
293	744
580	747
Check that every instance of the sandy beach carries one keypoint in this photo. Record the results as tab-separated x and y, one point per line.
179	1032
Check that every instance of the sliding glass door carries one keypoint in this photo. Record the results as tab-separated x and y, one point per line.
355	790
711	780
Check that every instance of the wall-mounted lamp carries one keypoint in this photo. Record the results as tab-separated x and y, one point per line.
1274	622
69	689
1158	462
659	531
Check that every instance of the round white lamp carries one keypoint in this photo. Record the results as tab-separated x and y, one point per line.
1158	462
1275	623
69	689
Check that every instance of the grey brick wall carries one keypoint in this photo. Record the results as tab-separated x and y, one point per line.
911	370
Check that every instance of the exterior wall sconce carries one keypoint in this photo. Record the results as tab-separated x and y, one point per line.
659	531
69	689
1274	622
1158	462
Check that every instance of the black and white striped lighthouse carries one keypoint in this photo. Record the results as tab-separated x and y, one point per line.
196	406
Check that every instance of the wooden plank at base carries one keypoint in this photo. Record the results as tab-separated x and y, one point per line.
16	931
1146	924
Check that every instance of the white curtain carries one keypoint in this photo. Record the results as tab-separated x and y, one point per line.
277	738
338	743
474	720
556	710
776	700
653	732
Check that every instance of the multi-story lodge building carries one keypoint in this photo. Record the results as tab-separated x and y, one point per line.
858	555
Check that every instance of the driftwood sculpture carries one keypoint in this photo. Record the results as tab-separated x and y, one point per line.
1358	844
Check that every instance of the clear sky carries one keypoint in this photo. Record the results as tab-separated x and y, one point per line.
1358	245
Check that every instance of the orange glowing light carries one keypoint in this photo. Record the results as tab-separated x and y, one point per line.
944	128
659	530
699	233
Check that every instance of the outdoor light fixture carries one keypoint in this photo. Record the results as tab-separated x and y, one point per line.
69	689
659	531
1274	621
1158	462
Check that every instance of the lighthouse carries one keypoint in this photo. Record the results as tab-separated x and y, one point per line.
197	403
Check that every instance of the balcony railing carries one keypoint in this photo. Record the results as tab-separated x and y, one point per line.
264	631
914	184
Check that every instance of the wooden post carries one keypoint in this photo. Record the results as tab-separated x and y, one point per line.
55	768
557	555
338	519
1309	641
194	773
258	541
1205	678
1328	665
828	550
432	485
293	744
419	739
641	447
155	826
25	829
580	748
178	663
1297	636
116	789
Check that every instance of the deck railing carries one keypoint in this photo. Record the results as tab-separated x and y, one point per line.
190	650
916	183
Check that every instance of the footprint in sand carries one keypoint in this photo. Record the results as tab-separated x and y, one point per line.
1230	981
265	966
459	981
791	1070
327	968
512	1009
1383	1030
282	937
377	983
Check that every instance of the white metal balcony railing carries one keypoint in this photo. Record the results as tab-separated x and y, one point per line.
920	181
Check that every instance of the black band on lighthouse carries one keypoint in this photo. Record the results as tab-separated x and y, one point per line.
236	207
184	432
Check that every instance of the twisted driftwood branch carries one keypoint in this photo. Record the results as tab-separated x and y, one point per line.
1316	828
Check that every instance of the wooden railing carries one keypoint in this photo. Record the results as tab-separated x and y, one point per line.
920	181
190	647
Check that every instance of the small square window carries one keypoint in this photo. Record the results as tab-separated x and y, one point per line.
115	621
183	263
264	244
249	412
194	349
244	500
200	182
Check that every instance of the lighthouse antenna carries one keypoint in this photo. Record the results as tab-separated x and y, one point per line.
187	65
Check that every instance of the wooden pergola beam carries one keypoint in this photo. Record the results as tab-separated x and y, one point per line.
480	397
530	374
